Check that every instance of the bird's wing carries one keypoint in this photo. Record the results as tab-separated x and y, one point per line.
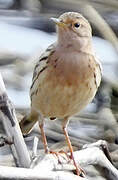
28	121
40	66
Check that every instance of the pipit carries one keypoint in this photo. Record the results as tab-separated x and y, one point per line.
65	78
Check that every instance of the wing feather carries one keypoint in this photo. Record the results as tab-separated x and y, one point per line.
40	66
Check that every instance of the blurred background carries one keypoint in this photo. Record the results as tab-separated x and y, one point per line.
26	31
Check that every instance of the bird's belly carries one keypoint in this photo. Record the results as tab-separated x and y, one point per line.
57	100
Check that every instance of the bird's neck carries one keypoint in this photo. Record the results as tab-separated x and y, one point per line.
83	44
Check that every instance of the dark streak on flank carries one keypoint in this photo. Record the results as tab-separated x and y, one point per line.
38	64
42	70
56	60
51	53
43	58
89	66
36	91
69	45
34	74
31	97
33	93
87	85
95	80
49	48
38	76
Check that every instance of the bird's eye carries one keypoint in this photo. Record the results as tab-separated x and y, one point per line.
77	25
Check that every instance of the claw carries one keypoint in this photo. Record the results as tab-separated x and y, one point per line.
56	154
59	154
66	154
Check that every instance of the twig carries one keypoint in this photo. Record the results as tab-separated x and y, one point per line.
47	167
11	126
92	155
12	173
35	146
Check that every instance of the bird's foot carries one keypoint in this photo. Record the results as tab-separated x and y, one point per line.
65	155
62	154
78	170
59	155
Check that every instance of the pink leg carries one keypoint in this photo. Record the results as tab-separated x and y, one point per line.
79	170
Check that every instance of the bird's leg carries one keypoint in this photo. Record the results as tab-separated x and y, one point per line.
44	138
79	170
46	144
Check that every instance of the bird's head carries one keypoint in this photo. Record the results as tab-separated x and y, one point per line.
75	23
72	26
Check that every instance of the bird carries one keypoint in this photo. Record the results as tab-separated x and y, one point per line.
65	79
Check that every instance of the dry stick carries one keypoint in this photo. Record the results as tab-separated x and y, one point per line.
44	167
98	157
35	146
12	173
11	126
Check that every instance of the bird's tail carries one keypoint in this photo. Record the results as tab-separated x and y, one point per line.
27	123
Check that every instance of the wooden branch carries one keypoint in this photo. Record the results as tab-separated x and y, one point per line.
93	154
12	129
12	173
35	146
84	158
47	167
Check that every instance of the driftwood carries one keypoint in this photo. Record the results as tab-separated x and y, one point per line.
12	129
49	168
29	174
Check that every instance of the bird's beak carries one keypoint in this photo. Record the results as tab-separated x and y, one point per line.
58	22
